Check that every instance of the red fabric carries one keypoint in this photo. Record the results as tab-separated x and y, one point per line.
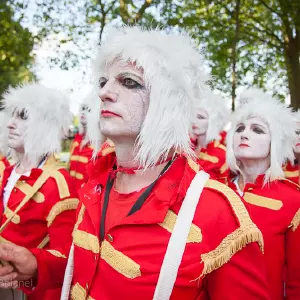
292	172
32	225
79	157
138	243
223	135
119	206
282	244
213	160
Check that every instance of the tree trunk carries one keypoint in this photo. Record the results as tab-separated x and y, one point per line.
235	54
291	54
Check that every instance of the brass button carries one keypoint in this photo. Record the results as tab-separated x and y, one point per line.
15	189
110	238
250	189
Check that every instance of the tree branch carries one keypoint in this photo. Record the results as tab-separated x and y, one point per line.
270	8
142	9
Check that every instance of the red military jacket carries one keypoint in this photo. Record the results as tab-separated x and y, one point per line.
79	157
275	209
4	163
292	172
213	160
222	259
46	219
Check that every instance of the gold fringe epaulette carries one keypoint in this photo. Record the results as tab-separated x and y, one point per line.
296	221
246	233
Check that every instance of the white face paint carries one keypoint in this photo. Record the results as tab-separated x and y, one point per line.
297	141
17	127
200	123
125	100
85	110
252	140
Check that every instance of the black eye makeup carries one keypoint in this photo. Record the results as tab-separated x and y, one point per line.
23	115
102	82
240	128
130	81
201	117
257	129
298	132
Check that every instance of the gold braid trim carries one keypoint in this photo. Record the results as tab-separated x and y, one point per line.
62	185
296	221
44	242
59	207
119	261
26	189
246	233
193	165
8	213
210	158
224	168
2	168
80	217
76	175
217	144
78	293
233	243
86	241
79	158
291	173
195	235
56	253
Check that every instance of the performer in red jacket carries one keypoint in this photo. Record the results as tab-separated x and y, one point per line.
210	118
80	150
259	142
38	199
292	170
145	227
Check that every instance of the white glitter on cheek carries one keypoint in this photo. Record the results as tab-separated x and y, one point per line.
136	107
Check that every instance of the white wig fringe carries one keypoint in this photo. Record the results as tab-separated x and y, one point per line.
87	101
3	133
174	74
48	117
218	114
93	133
281	125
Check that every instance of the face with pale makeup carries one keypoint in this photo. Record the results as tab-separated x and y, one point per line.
83	114
252	140
297	142
17	127
200	123
124	100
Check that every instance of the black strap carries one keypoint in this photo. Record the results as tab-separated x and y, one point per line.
136	206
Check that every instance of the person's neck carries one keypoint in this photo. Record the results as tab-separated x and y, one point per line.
127	183
250	170
25	164
201	143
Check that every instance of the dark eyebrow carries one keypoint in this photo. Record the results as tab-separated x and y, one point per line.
262	126
125	74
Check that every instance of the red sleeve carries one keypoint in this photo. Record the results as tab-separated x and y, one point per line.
53	258
243	277
293	263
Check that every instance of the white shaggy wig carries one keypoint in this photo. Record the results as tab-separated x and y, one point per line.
218	114
48	117
88	101
173	73
296	116
93	133
3	133
281	125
